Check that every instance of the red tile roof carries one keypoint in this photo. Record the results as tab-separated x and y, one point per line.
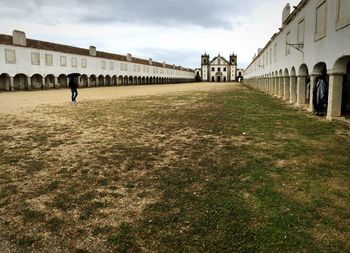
43	45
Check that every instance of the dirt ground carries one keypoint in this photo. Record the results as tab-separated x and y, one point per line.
15	102
199	167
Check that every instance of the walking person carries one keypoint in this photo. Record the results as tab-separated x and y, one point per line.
73	85
321	92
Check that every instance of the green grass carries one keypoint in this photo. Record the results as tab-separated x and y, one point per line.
225	171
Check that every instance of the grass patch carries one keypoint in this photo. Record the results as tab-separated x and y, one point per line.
227	171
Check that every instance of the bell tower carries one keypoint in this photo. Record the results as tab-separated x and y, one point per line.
233	59
205	58
233	67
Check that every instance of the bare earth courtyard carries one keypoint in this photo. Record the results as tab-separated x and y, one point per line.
11	103
170	168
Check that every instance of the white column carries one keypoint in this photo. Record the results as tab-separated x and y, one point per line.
335	95
281	86
56	84
301	90
29	83
312	87
12	85
292	90
286	88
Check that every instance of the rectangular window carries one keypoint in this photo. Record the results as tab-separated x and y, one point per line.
219	69
275	52
301	31
224	69
271	56
263	61
212	69
288	43
111	65
321	21
103	64
48	59
83	63
35	59
74	62
63	61
343	14
10	56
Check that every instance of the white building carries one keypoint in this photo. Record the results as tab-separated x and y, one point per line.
314	40
32	64
219	69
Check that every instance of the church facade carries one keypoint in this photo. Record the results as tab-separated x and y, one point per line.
218	69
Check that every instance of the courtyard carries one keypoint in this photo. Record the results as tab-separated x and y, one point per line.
173	168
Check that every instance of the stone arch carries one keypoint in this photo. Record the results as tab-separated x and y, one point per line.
108	80
293	72
143	81
37	81
126	80
100	80
303	70
320	69
139	80
83	81
114	80
302	84
131	80
20	82
4	82
49	81
135	80
93	81
120	80
62	81
147	80
342	67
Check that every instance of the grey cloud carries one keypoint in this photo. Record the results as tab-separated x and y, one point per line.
204	13
181	57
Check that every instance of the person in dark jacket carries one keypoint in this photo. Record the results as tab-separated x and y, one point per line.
73	85
321	95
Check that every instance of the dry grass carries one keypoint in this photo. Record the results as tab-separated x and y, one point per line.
174	173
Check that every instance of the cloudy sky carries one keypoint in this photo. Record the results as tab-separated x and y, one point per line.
175	31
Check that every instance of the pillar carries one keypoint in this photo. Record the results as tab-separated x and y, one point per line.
29	83
301	90
281	86
43	84
271	85
12	84
312	87
55	82
292	90
286	88
335	95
